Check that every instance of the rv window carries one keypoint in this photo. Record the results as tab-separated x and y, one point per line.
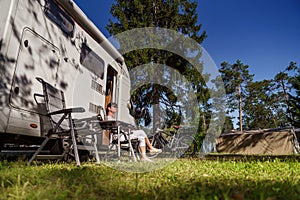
59	17
91	61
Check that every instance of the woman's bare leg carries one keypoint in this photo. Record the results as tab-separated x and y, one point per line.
143	151
148	143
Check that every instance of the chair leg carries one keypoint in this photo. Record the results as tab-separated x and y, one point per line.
96	149
39	150
119	145
74	142
131	149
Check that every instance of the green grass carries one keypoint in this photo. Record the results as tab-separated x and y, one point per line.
183	179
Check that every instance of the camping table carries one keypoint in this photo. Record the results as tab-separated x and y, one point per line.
119	125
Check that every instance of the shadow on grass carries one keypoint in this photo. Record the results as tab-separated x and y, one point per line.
182	180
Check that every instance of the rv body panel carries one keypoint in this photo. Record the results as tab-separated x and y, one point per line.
123	93
43	39
7	12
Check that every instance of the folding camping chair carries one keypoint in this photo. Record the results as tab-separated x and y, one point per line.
61	122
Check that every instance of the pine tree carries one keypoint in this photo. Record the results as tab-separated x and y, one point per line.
294	98
176	15
295	102
285	83
263	107
236	76
228	125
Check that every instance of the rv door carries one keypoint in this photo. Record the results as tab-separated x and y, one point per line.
123	99
37	57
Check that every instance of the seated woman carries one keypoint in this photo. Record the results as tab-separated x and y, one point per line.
111	110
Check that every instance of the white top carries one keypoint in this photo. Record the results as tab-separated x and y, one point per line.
110	118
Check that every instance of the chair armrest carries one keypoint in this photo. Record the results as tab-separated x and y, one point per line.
93	118
68	110
89	120
91	123
35	95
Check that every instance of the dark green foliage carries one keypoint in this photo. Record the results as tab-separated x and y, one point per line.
228	125
295	105
265	104
294	98
236	77
175	15
285	83
263	107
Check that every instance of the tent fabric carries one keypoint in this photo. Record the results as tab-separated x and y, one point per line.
259	142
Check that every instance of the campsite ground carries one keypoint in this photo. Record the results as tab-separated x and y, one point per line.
184	179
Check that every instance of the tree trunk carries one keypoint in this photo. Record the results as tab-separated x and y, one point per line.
287	101
156	109
240	107
204	122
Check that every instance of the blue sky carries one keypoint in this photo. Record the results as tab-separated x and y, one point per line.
264	34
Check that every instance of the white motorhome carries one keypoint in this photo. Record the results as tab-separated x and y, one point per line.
54	40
